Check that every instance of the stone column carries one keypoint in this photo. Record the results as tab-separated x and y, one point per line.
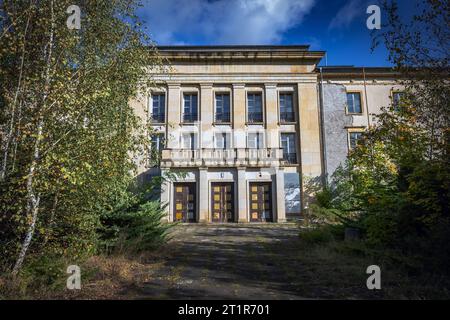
281	210
173	115
271	100
165	196
310	148
242	195
203	195
206	118
239	115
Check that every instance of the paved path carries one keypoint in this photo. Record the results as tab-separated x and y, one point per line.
228	261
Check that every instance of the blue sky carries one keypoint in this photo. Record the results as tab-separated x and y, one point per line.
338	26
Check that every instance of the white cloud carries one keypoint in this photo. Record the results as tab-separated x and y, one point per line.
349	12
223	21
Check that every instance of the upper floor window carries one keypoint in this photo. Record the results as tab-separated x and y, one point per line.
287	107
157	142
158	111
223	108
156	145
354	102
254	108
289	149
190	108
354	139
189	140
396	99
222	140
255	140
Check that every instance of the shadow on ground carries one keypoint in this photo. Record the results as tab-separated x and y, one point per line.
233	262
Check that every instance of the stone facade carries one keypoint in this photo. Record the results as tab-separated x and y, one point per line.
246	128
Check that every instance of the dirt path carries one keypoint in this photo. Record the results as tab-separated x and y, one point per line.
228	262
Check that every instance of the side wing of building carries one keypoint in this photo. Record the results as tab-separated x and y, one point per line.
350	98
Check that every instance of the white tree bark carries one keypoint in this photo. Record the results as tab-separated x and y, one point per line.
33	198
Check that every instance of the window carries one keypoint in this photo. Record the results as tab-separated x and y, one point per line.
288	145
190	110
222	140
354	139
223	108
354	102
286	108
255	140
189	141
158	112
396	99
157	142
254	108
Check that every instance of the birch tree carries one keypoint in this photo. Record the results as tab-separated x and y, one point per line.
66	126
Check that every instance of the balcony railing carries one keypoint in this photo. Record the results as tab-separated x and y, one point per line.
221	157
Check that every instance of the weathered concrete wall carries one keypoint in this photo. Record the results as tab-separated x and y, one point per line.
335	122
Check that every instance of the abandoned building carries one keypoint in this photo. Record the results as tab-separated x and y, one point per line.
247	129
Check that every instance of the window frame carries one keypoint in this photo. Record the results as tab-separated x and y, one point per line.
292	94
261	143
393	92
361	103
247	113
193	140
222	93
189	93
293	134
228	143
151	106
161	140
351	131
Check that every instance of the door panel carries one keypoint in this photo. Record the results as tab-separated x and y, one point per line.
184	200
260	202
222	208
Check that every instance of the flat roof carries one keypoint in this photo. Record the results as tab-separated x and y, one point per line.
239	52
214	48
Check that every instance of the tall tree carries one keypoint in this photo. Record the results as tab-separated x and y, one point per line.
67	130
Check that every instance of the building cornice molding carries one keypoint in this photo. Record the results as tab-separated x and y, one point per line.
235	53
236	79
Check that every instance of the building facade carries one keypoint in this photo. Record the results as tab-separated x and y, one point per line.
244	131
350	99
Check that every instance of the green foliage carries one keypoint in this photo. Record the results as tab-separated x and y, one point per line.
395	186
317	235
69	132
134	224
136	231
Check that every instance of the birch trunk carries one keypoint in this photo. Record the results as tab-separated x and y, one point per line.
33	198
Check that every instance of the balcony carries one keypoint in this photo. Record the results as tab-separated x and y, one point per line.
266	157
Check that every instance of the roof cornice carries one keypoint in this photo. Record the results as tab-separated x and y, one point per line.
239	52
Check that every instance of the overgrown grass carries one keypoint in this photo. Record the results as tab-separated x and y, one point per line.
335	264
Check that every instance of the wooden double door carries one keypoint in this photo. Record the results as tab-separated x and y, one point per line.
184	202
261	202
222	202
